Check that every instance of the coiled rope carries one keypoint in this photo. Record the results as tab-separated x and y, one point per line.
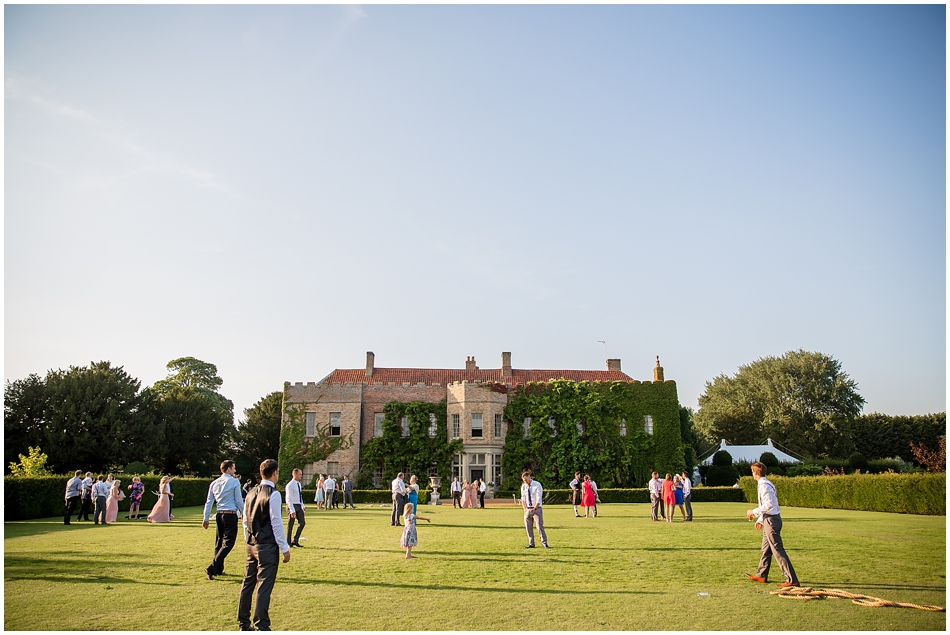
809	593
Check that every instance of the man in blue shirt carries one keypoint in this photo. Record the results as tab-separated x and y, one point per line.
73	493
225	492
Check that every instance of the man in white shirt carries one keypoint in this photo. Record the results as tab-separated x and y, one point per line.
297	511
656	497
531	495
771	523
264	535
86	497
575	486
73	495
456	490
100	491
398	488
687	495
482	488
329	486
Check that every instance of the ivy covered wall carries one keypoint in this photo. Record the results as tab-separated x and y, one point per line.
577	426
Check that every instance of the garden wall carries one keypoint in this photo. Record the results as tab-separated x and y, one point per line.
898	493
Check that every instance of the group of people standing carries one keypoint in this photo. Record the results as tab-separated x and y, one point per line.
102	495
329	492
671	493
467	494
584	493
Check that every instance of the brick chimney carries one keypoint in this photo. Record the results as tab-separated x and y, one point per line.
506	365
658	371
370	363
613	364
470	363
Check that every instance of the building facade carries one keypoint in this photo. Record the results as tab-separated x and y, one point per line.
346	409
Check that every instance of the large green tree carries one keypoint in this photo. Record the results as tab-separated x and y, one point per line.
879	436
802	400
258	435
24	419
197	421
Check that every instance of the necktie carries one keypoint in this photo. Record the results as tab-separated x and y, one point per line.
529	496
300	491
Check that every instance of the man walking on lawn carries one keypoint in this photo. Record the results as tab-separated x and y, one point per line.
531	495
225	492
264	535
769	520
73	494
295	507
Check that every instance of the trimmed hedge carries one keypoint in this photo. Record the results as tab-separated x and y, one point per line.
924	494
44	496
639	495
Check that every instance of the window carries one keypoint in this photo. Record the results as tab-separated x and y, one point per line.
333	468
476	425
551	422
496	469
311	424
476	459
432	425
648	424
527	426
455	427
457	463
404	426
498	432
623	427
580	428
378	477
334	424
378	424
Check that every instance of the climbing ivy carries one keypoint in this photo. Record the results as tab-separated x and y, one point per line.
417	453
296	450
586	434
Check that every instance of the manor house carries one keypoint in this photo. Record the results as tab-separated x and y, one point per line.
348	405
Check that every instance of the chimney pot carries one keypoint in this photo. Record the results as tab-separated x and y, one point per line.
506	365
613	364
370	363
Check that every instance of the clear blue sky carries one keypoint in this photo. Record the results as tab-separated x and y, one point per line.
278	190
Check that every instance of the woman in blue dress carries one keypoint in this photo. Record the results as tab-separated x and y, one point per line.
678	492
413	492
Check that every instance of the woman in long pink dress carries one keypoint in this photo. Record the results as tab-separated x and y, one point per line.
473	494
466	495
112	502
588	498
161	512
669	497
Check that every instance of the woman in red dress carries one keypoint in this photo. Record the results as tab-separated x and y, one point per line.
588	498
669	497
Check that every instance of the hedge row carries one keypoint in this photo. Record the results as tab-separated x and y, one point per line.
898	493
45	496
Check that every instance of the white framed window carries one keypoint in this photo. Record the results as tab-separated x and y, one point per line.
311	424
580	428
496	469
456	427
476	459
378	423
551	424
334	424
623	427
378	477
404	426
333	468
433	426
648	424
476	425
527	426
457	464
498	427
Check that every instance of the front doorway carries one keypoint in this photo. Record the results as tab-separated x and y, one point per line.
477	474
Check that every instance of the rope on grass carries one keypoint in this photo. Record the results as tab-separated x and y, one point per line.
809	593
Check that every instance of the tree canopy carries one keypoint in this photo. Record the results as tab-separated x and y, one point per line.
258	435
802	400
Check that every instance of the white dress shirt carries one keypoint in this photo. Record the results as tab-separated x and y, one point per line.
456	486
276	519
537	493
329	485
399	486
100	488
655	486
768	499
294	493
687	487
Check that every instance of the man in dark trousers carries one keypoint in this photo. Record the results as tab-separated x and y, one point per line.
73	494
296	509
264	535
348	492
86	497
225	493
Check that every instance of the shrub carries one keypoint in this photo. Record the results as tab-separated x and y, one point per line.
896	464
857	462
722	476
770	460
896	493
803	469
137	468
722	458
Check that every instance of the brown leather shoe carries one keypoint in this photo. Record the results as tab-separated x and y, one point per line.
755	578
788	585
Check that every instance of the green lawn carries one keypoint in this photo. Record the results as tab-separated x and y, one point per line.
472	572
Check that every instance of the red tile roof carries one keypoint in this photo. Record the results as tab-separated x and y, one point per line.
445	376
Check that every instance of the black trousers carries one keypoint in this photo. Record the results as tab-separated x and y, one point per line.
348	498
687	500
226	531
399	501
301	523
71	503
260	573
456	499
84	510
481	499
